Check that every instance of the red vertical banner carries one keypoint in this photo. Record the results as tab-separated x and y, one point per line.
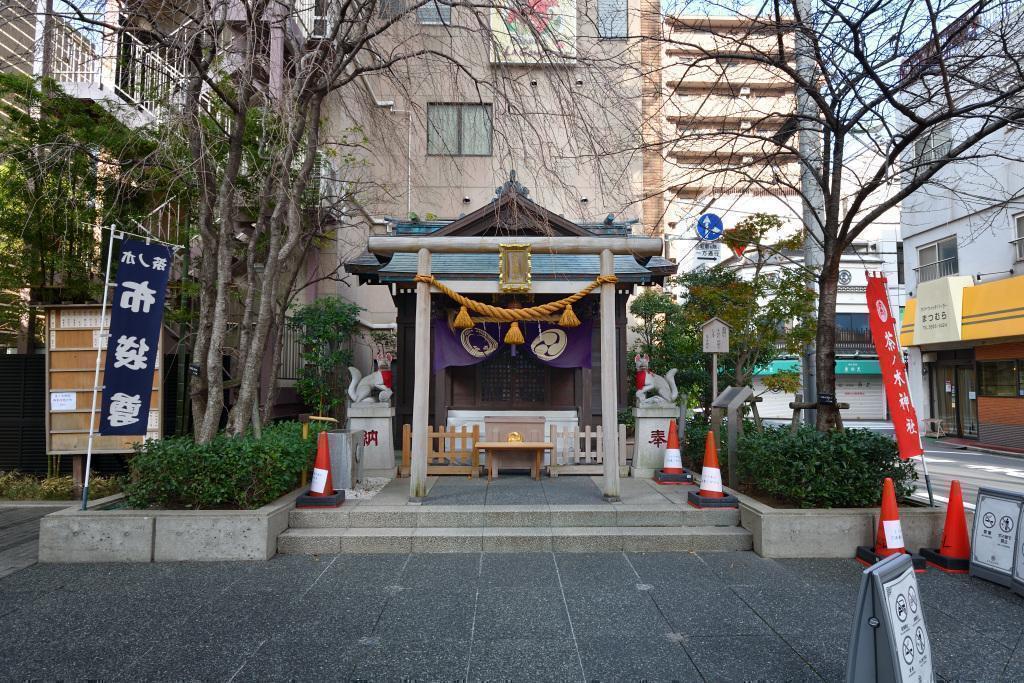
894	371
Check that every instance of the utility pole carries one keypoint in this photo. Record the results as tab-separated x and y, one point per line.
809	141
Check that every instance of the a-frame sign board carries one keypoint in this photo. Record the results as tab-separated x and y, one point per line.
890	640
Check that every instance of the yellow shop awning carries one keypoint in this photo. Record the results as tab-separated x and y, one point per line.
994	309
907	328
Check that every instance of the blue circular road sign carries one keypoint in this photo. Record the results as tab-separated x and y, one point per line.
709	227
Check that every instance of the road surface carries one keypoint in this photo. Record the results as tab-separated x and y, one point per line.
972	468
948	461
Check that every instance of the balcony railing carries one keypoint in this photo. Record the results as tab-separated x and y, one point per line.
77	57
848	343
148	77
854	341
933	271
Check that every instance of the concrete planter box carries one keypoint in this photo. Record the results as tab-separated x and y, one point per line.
833	532
100	534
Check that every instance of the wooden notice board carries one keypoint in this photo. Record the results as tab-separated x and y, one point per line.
73	335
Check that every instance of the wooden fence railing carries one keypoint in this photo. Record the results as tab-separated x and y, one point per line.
577	451
448	451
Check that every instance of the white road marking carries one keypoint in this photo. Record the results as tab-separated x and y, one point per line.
992	469
923	495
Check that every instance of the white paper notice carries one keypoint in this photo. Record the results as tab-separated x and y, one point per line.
63	400
711	479
893	533
318	481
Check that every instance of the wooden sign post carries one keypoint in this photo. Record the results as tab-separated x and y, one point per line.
716	341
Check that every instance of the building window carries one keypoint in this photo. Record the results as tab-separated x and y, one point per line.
611	18
933	145
1018	241
459	129
853	333
937	260
900	278
434	12
998	378
389	9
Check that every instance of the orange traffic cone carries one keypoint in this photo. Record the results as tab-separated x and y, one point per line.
954	555
321	488
673	472
711	494
889	539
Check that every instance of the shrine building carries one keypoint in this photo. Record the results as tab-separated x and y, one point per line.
511	310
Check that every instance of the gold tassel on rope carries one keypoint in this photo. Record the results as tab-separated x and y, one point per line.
462	320
568	318
514	336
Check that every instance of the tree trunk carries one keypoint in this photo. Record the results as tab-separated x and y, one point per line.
825	342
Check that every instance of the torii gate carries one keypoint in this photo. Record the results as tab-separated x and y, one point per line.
606	247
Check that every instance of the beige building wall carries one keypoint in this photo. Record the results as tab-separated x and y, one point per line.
570	131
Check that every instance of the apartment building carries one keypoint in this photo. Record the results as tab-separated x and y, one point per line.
720	119
725	126
963	329
440	141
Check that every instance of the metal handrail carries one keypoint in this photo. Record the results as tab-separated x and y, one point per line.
935	263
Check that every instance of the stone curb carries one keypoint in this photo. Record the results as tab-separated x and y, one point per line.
835	532
103	535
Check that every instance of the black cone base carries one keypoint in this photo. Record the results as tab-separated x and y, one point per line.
698	501
663	477
953	565
867	556
332	501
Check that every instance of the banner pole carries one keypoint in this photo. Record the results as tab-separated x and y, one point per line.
96	374
927	479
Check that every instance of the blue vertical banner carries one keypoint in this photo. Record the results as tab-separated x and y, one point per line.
137	313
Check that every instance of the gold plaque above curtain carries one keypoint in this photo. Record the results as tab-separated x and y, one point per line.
514	268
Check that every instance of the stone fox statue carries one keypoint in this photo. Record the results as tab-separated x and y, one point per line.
662	390
361	389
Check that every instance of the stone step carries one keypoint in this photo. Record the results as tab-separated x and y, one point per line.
333	540
525	516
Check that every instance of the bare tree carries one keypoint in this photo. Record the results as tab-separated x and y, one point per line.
269	119
902	92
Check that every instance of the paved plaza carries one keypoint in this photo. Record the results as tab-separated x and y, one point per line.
717	616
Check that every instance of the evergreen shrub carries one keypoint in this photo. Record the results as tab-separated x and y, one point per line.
228	472
812	469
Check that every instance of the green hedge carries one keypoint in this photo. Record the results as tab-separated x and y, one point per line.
823	469
229	472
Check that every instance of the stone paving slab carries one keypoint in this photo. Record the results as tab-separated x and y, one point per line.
520	489
707	616
19	533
